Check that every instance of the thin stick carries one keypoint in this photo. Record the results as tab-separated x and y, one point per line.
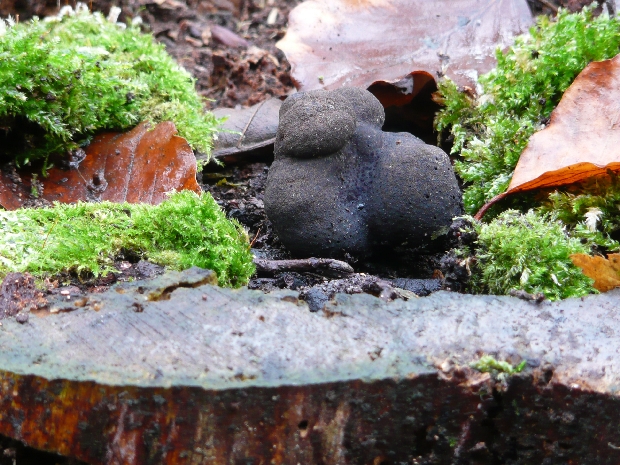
489	204
548	4
322	266
48	234
255	237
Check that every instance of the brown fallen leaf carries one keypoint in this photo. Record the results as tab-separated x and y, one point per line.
409	104
604	272
582	139
138	166
399	92
247	130
332	43
583	136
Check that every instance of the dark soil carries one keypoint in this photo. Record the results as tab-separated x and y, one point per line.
239	191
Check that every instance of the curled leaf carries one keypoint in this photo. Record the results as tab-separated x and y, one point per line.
246	130
582	139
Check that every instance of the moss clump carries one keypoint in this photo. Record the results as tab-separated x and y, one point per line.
518	96
531	251
528	251
185	230
489	364
62	80
592	214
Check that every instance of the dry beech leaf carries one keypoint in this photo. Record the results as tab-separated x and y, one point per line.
333	43
139	166
408	103
247	130
604	272
399	92
582	139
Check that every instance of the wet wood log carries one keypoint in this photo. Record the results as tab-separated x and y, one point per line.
177	371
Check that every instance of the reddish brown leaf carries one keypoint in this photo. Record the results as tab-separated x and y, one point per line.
137	166
331	43
583	136
402	91
408	103
604	272
582	139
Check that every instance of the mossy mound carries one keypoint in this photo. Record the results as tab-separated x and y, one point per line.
183	231
518	96
67	77
531	250
528	251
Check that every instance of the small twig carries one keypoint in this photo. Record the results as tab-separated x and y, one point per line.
550	5
523	295
48	234
323	266
255	237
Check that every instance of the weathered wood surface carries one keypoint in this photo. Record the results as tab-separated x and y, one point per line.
177	371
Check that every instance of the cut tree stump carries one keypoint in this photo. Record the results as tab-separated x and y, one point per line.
177	371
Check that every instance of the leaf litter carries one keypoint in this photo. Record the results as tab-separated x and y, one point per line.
331	43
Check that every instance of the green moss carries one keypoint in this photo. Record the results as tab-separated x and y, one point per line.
185	230
64	79
528	251
488	364
530	78
592	213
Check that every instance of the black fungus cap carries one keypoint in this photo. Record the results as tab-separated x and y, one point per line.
340	186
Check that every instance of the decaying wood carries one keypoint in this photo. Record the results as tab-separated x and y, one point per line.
177	371
322	266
